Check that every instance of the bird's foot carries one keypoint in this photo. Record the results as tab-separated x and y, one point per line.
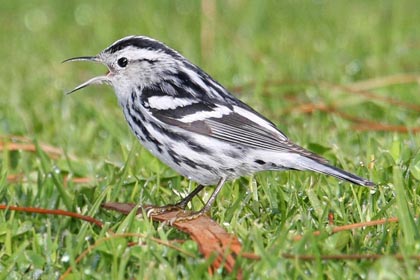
185	216
181	216
152	210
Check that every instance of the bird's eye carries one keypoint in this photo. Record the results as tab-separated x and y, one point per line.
122	62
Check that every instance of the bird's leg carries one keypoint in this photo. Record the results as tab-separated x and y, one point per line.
156	210
183	203
191	215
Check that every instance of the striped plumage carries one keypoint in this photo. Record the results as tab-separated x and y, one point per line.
192	123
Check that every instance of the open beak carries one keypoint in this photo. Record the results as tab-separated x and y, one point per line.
94	81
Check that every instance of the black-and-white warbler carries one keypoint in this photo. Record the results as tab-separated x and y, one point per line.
192	123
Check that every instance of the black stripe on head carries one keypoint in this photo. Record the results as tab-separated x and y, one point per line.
141	43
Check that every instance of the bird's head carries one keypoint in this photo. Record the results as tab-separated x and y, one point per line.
133	62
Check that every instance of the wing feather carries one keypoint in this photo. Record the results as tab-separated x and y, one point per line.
236	128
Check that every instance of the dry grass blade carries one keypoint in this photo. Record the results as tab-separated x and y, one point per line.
354	226
361	124
57	212
18	143
16	178
356	257
385	81
372	96
387	127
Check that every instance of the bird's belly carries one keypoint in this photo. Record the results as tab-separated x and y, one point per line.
200	158
205	164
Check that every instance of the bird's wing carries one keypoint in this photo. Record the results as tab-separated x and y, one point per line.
236	124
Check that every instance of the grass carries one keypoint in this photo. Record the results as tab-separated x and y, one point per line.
281	54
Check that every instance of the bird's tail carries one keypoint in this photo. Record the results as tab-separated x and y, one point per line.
327	169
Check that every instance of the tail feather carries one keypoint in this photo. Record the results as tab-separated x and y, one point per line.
328	169
302	159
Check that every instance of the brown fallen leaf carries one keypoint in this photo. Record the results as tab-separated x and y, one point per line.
212	239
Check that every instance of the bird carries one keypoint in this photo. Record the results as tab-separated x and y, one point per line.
193	124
